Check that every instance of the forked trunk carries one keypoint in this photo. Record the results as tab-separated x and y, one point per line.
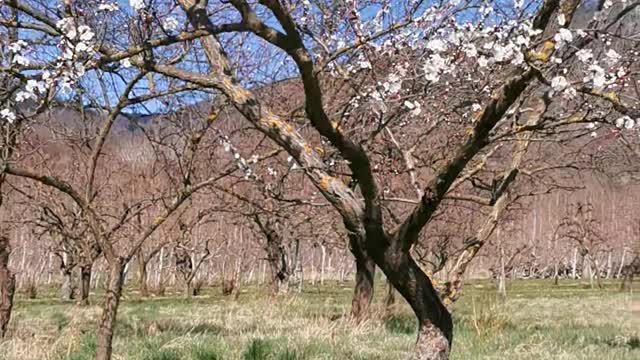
85	283
104	338
363	290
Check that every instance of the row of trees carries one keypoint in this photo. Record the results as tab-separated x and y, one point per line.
208	128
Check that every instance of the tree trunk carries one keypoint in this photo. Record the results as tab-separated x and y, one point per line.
323	263
435	326
277	258
624	252
104	337
143	279
7	286
67	288
502	277
85	283
574	264
363	290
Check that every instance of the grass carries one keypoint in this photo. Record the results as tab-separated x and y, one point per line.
536	321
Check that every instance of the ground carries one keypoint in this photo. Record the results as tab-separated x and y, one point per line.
537	321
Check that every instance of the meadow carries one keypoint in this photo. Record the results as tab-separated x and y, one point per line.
537	320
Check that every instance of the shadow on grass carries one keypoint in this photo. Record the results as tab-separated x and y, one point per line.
403	324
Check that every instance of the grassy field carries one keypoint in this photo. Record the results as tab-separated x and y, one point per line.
536	321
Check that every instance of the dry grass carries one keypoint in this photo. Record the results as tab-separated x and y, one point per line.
536	321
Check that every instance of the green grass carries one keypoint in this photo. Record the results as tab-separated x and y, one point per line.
536	321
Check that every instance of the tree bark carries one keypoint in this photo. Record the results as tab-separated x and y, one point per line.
85	283
104	339
7	286
276	257
363	290
143	278
435	326
67	288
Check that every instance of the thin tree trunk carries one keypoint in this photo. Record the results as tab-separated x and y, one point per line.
85	283
323	263
143	276
502	278
624	252
574	264
7	286
104	338
160	279
50	269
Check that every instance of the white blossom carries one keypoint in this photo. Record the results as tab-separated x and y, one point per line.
522	40
612	57
364	64
629	123
437	45
584	55
170	24
414	107
137	5
108	7
470	50
625	122
563	36
559	83
86	34
125	63
393	85
502	53
17	46
8	115
82	47
67	27
562	20
597	76
434	66
21	60
24	96
35	85
483	61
